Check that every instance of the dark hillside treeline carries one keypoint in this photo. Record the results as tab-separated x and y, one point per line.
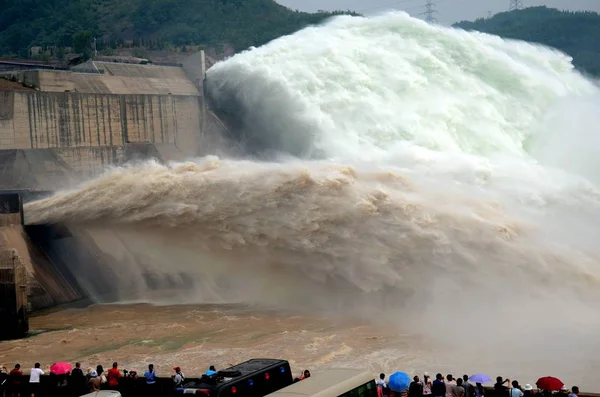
575	33
240	23
160	24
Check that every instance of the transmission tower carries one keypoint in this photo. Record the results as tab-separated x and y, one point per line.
515	5
430	11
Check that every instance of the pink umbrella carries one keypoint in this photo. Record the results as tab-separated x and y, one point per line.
61	368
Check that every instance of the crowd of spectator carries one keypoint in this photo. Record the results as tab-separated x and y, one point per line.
74	382
77	382
450	386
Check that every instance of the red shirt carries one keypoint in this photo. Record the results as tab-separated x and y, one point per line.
113	376
16	374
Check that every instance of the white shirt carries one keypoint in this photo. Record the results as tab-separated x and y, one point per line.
35	375
178	378
381	382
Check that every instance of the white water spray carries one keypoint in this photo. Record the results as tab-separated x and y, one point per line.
441	179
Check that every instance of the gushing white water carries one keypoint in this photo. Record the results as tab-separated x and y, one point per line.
440	179
364	88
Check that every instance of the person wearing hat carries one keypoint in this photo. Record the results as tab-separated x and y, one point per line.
527	390
563	392
95	382
426	384
178	377
132	374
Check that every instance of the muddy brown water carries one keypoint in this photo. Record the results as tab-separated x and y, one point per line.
196	336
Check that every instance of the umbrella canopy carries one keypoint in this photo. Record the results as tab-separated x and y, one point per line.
399	381
61	368
480	378
549	383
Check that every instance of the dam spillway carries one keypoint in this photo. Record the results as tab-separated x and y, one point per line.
65	127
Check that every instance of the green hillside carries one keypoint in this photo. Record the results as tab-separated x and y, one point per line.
575	33
152	23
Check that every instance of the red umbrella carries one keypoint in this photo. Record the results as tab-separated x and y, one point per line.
549	383
61	368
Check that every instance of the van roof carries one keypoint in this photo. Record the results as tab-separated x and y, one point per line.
329	382
239	371
255	365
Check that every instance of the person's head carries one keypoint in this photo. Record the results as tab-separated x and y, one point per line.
36	365
416	378
77	365
93	374
575	389
515	384
18	366
212	368
382	376
306	373
99	369
466	378
439	377
479	385
177	369
449	377
459	382
151	367
426	377
528	387
115	365
499	379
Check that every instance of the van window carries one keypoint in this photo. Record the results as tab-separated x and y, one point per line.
367	390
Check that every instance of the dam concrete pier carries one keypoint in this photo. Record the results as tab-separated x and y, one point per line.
13	275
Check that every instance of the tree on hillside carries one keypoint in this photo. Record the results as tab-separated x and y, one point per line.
575	33
82	43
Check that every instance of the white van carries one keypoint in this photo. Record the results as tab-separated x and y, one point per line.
332	383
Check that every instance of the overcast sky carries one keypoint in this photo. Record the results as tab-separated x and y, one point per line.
449	11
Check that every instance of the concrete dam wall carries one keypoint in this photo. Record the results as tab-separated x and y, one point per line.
48	136
36	120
